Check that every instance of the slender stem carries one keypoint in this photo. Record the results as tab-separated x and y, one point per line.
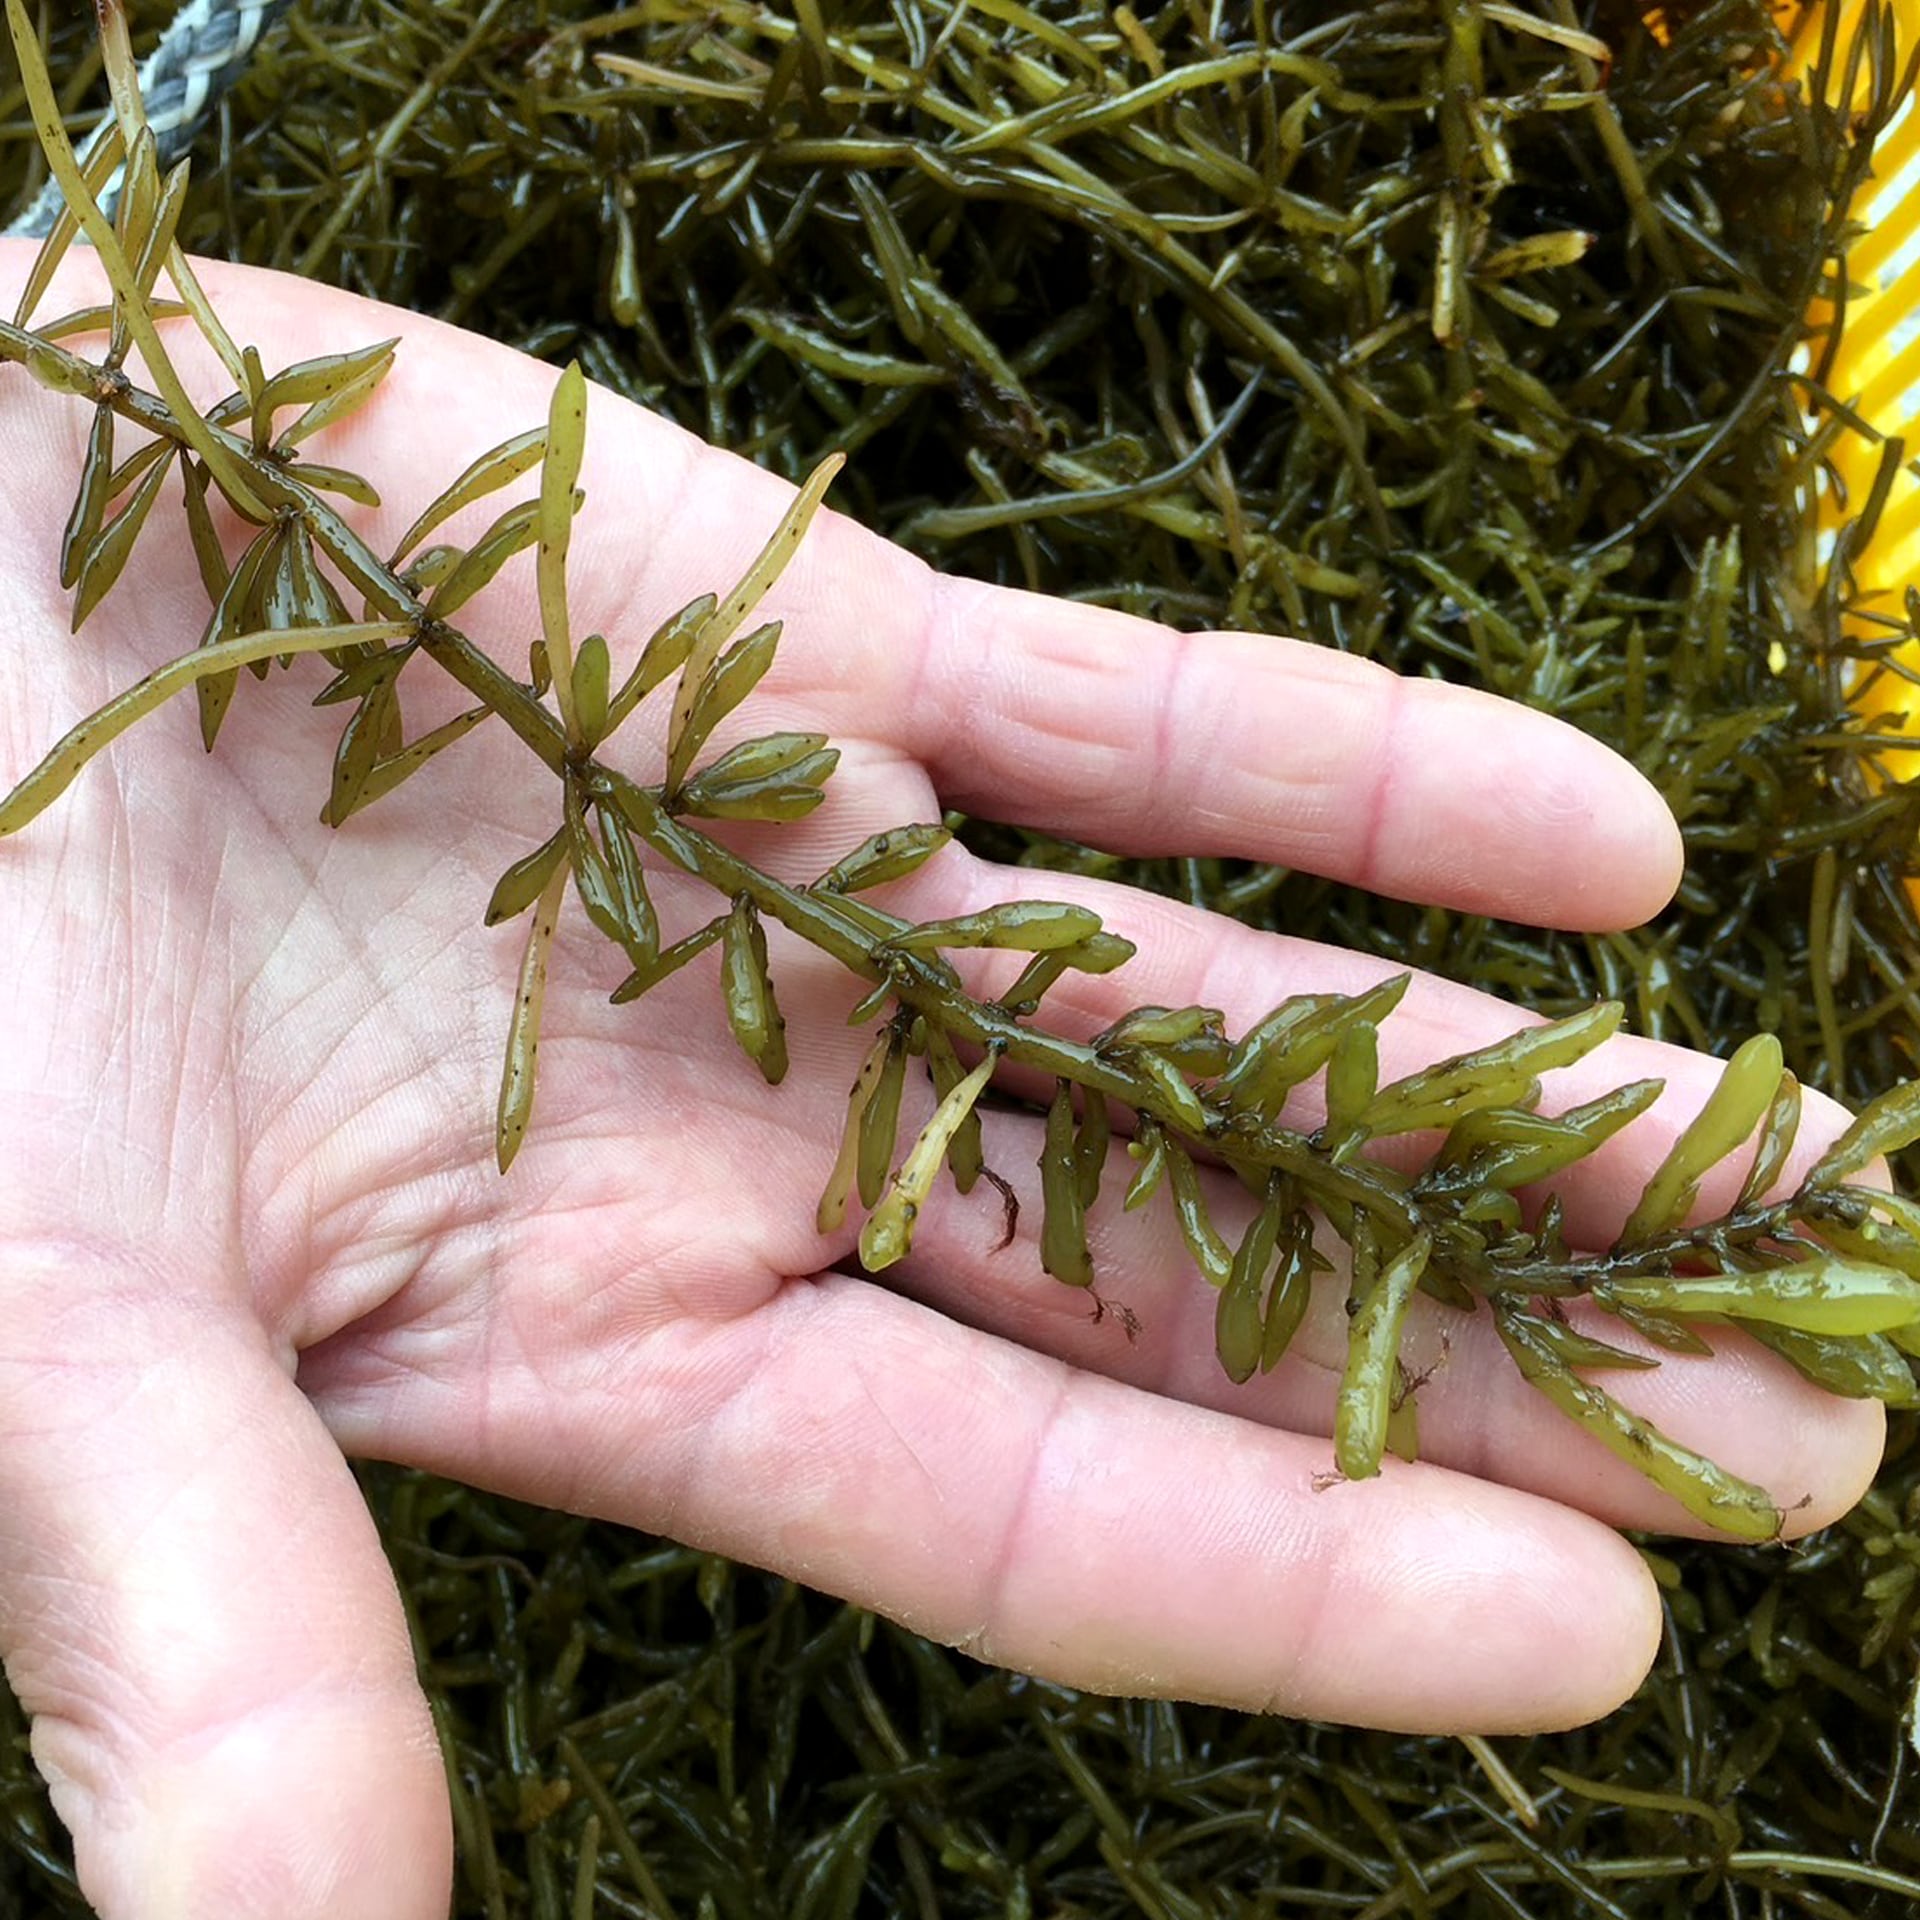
983	1024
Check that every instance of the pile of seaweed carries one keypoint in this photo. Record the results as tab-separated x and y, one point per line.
1469	335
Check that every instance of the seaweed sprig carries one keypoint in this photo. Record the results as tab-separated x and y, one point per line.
1827	1275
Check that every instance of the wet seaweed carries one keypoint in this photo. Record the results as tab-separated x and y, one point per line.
1530	416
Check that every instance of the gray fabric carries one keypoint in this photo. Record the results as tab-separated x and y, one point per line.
203	52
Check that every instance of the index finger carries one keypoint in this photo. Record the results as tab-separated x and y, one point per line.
1112	729
1115	730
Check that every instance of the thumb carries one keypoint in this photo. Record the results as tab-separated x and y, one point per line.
195	1610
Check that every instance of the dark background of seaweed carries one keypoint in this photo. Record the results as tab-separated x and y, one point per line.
1530	505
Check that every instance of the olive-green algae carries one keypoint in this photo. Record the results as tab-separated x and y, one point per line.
1029	288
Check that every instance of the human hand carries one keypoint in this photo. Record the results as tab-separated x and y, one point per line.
250	1223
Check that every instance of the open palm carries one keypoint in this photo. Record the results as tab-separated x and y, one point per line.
250	1222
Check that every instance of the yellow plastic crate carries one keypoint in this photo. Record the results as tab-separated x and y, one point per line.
1876	373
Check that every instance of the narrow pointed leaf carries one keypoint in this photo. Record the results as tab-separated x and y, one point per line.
1777	1134
392	769
1238	1321
208	553
785	797
1885	1126
1159	1027
236	611
668	961
90	503
523	1031
735	675
63	765
758	759
360	746
599	893
1738	1103
1572	1348
831	1213
1291	1293
1063	1223
1208	1250
431	566
752	1012
891	855
1509	1148
1172	1088
1295	1041
591	666
499	467
1661	1330
1353	1072
193	298
1100	953
313	600
166	220
779	777
871	1003
1368	1385
350	486
566	448
1859	1367
966	1154
1025	926
1488	1076
133	227
363	670
880	1118
1825	1294
136	466
720	626
106	557
664	654
512	533
888	1234
85	320
523	882
278	594
328	388
631	897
